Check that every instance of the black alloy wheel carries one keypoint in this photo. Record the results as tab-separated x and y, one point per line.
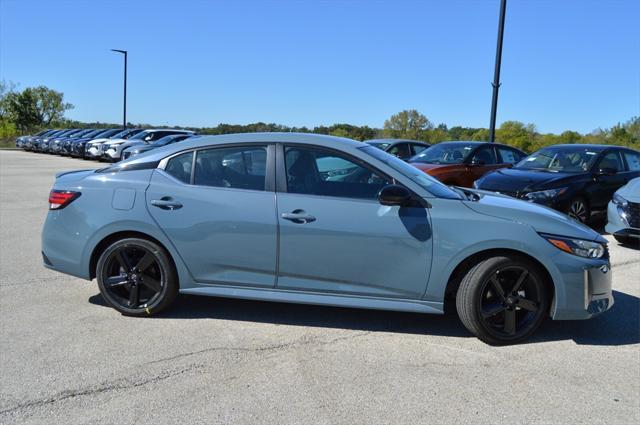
503	300
136	277
579	210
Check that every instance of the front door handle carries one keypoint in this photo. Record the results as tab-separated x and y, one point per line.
166	203
298	217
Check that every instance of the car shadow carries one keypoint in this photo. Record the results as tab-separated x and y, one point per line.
618	326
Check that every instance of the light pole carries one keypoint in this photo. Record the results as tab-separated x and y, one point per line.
124	113
496	73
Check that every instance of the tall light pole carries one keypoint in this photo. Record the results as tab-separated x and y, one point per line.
124	113
496	73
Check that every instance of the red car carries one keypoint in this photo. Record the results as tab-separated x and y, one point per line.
462	163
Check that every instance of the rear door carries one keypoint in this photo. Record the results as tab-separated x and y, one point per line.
217	207
336	237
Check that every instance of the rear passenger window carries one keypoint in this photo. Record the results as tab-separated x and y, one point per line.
237	167
416	149
509	156
180	167
633	161
611	161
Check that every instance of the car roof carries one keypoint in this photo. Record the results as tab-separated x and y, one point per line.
392	141
249	138
585	146
149	130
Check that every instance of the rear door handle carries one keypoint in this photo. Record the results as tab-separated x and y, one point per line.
166	203
298	217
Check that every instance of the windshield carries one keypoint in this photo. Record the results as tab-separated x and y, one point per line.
569	159
139	136
379	145
427	182
107	133
164	140
445	153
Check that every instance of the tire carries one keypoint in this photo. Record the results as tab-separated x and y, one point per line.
579	209
137	277
508	318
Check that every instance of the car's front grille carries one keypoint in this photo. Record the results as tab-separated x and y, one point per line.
633	214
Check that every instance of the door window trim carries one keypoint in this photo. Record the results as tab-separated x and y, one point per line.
269	185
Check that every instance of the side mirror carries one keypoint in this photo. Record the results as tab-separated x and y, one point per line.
606	171
477	161
394	195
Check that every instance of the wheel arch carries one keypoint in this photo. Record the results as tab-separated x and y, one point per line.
463	267
111	238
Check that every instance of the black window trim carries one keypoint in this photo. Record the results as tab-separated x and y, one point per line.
270	166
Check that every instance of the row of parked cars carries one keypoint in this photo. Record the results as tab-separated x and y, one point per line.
579	180
111	144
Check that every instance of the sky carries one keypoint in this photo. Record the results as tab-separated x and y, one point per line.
570	64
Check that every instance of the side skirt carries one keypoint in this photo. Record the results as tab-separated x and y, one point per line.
418	306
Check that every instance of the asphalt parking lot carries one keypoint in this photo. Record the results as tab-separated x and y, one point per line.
67	358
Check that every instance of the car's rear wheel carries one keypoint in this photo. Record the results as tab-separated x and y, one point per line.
503	300
579	210
136	277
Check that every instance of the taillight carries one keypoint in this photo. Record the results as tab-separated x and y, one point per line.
59	199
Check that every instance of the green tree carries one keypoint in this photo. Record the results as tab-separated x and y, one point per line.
517	134
35	107
408	124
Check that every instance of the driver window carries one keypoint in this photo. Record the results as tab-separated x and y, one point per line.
401	150
485	156
312	171
611	161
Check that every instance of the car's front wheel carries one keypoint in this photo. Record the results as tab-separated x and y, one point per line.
503	300
136	277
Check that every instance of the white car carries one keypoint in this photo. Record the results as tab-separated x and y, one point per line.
623	214
93	148
112	149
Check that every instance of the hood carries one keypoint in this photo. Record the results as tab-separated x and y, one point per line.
631	191
440	167
99	141
519	180
114	141
128	144
541	218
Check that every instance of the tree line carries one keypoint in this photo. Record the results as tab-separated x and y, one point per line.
35	108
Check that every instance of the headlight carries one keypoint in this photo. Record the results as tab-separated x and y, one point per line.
579	247
545	194
619	200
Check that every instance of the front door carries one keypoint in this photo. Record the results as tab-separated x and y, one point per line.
219	216
336	237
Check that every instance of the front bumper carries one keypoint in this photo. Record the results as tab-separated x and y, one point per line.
621	221
586	290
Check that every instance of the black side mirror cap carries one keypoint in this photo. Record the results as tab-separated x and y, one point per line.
394	195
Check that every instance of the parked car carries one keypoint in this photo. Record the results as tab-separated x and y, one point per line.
54	140
67	143
623	214
77	147
576	179
461	163
401	148
251	216
93	148
166	140
42	144
20	141
112	150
